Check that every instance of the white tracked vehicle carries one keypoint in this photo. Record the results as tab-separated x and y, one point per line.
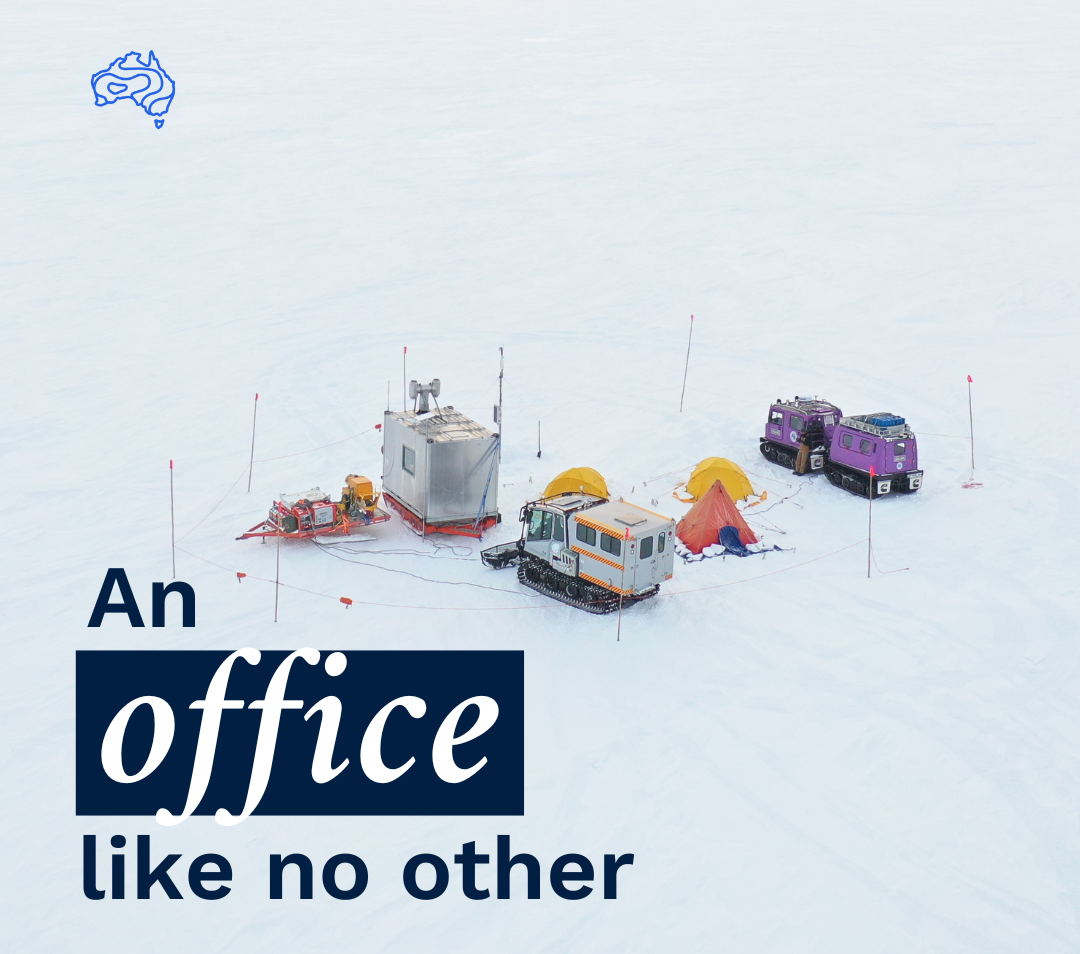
590	552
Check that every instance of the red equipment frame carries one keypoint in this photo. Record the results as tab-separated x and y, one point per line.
270	528
463	528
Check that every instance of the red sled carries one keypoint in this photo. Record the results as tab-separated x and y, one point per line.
460	528
314	514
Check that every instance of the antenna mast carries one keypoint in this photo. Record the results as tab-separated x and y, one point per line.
499	409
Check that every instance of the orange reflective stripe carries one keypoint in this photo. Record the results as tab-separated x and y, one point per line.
618	566
606	586
597	525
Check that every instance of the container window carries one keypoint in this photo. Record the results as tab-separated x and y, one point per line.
646	548
560	530
866	447
586	534
610	544
798	423
408	460
776	418
899	449
660	541
846	440
540	525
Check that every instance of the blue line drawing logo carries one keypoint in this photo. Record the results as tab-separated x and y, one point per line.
146	83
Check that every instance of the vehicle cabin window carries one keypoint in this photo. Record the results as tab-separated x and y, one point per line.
798	423
408	460
646	548
777	418
540	525
899	449
660	541
610	544
559	532
846	440
829	420
866	447
586	534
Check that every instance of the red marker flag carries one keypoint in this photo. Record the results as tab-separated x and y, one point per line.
872	473
970	379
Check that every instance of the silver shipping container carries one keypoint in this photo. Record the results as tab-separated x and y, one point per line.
441	465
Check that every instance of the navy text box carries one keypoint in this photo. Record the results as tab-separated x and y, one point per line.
107	680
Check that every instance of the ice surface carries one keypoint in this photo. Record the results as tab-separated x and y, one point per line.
860	200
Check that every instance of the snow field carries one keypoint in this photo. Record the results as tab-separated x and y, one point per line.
862	202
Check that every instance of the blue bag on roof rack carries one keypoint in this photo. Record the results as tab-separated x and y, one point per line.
887	420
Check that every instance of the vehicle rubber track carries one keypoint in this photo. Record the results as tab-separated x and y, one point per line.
778	454
852	482
593	599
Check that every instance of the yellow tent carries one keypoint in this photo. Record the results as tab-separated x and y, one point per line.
712	469
578	480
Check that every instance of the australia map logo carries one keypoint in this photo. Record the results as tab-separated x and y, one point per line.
145	82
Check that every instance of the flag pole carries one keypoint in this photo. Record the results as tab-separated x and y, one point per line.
622	583
172	519
277	576
971	427
251	461
686	370
971	481
870	523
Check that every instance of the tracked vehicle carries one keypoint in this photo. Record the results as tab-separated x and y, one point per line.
590	552
864	454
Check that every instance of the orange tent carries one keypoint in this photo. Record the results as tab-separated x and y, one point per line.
701	526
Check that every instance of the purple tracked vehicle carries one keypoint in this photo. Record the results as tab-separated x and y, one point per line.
813	436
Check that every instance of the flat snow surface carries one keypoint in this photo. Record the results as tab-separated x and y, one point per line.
860	200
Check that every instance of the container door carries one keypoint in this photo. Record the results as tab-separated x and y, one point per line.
899	456
558	537
776	424
538	532
646	574
795	428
